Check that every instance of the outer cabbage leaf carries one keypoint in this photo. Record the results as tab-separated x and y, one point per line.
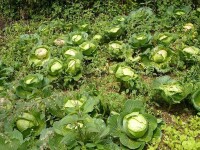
196	100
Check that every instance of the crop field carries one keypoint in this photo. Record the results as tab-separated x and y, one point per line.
116	75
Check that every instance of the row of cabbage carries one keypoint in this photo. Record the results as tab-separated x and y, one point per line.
162	52
81	125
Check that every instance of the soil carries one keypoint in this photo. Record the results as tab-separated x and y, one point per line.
2	23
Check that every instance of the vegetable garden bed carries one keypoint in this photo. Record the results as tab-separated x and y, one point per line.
121	81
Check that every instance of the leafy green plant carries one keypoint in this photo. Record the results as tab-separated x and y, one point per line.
73	67
119	50
141	13
190	54
188	26
33	85
72	70
83	27
5	74
72	52
114	31
39	56
97	38
182	138
172	91
82	132
78	129
125	75
189	33
88	48
133	126
76	38
61	41
28	122
5	106
159	58
140	40
55	67
119	20
181	11
164	38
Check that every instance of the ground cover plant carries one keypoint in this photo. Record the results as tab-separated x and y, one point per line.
125	79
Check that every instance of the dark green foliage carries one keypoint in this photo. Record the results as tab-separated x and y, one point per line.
68	9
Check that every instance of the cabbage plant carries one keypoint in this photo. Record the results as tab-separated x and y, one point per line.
30	123
85	104
125	75
73	103
188	27
189	33
119	20
143	13
84	131
61	41
84	27
140	40
81	126
5	70
72	70
26	121
88	48
133	126
172	91
164	38
55	67
39	56
191	50
190	54
97	38
33	85
76	38
116	49
72	52
158	58
114	31
182	11
179	12
73	67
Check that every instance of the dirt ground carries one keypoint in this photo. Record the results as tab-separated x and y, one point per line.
2	23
